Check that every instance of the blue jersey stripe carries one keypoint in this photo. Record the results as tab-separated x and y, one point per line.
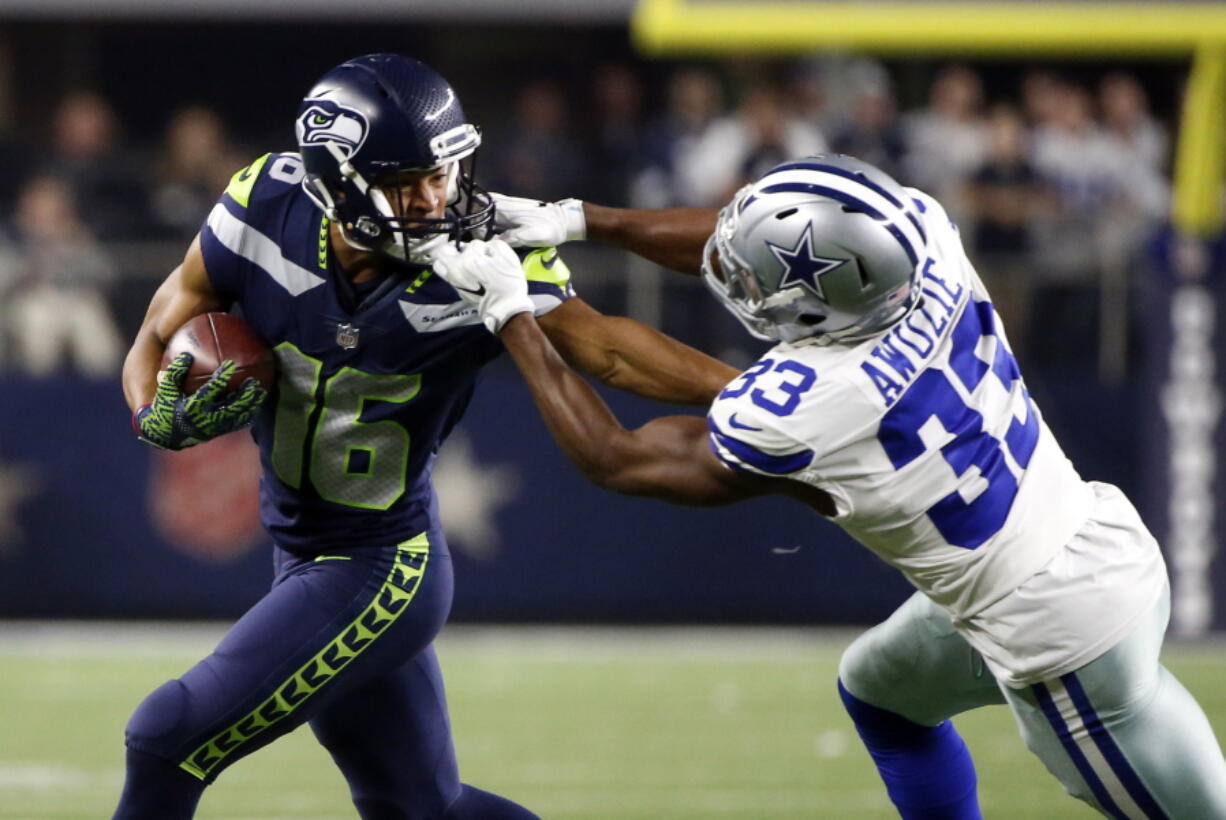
748	454
849	200
548	289
731	462
1052	712
1111	751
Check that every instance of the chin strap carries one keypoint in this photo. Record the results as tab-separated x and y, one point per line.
346	167
415	251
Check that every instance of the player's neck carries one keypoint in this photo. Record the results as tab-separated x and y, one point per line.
358	265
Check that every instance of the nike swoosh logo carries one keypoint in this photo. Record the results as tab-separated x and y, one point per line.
732	421
548	264
479	291
245	175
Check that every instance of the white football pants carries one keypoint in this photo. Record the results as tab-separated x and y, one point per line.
1121	733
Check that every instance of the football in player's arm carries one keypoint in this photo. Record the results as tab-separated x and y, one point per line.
327	253
892	404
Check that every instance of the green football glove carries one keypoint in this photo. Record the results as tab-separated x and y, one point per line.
174	420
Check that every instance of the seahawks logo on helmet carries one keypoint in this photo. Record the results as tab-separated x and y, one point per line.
325	121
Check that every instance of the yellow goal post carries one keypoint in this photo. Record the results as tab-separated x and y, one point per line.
1154	28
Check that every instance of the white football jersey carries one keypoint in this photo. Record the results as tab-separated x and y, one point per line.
925	437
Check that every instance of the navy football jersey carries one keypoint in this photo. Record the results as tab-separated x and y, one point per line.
371	379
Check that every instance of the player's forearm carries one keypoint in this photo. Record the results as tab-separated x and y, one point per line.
144	359
672	237
140	368
578	419
667	458
178	299
650	364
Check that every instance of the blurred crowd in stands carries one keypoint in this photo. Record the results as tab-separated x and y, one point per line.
1051	184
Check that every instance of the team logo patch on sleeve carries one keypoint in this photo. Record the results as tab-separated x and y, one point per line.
325	121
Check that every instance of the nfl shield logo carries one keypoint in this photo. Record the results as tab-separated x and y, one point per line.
347	336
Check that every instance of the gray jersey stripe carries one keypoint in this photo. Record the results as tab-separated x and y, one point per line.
245	241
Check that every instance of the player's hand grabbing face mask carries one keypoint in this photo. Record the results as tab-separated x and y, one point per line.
489	276
531	223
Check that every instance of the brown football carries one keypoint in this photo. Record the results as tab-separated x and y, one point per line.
212	338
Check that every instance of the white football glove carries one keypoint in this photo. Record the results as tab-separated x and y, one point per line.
535	224
489	276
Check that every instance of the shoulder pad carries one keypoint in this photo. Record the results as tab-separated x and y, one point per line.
272	174
545	265
243	181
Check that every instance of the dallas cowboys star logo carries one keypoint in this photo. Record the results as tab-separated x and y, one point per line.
800	266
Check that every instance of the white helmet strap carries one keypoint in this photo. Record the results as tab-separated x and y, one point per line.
346	167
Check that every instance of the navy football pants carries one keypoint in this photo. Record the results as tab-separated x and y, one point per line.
341	641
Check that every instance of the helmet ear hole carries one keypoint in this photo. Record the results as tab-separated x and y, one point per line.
865	282
811	319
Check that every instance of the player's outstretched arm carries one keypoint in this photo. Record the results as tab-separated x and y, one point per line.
672	237
185	293
630	356
667	458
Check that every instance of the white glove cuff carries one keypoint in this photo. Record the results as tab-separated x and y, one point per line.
573	219
497	316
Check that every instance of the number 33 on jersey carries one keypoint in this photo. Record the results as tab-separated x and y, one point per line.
925	437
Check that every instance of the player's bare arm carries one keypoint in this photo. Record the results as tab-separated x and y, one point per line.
668	458
630	356
662	459
164	413
672	237
185	293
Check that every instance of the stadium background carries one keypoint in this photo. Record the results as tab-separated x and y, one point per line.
119	131
119	124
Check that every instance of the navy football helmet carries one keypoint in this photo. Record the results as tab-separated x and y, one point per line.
371	118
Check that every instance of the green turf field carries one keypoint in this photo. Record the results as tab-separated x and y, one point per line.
591	724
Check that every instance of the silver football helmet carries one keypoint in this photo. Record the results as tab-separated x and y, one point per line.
824	246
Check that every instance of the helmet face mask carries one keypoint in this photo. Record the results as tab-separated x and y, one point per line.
825	247
411	237
385	117
731	279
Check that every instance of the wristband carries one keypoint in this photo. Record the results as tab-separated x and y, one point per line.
138	414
